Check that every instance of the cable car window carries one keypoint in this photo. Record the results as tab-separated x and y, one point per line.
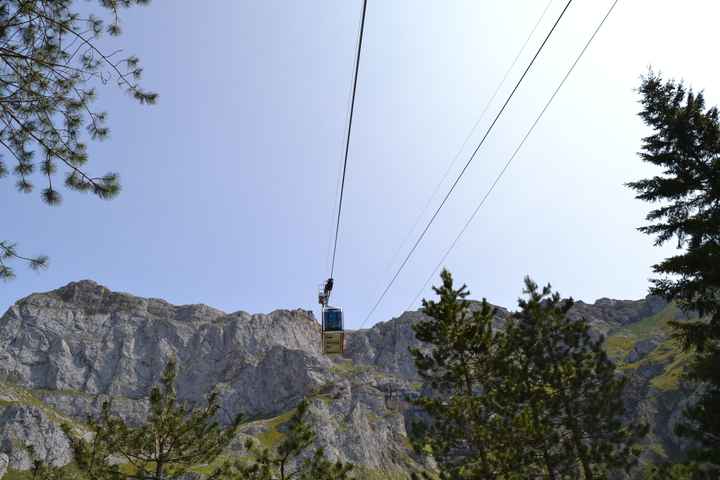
333	320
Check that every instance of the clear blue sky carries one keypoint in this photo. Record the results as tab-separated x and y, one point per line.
230	181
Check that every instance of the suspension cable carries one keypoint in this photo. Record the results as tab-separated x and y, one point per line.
469	136
472	157
512	157
349	131
338	176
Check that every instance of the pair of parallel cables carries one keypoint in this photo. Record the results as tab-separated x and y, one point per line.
472	156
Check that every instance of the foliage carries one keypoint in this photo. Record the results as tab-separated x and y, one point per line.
539	399
40	470
174	438
286	462
677	471
460	368
8	251
702	419
569	408
685	143
50	63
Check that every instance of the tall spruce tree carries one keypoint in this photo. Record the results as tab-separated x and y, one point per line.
174	438
685	144
467	434
291	459
567	396
50	64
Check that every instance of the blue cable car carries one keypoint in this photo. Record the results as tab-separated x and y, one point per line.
333	332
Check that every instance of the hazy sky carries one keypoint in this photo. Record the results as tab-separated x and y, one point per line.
230	181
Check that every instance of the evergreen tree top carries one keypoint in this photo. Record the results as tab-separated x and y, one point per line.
685	144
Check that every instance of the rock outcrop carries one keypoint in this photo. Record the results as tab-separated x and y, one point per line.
85	340
22	426
4	462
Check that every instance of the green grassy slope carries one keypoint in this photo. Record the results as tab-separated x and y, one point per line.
620	343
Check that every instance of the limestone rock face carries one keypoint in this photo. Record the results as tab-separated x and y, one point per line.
22	426
385	346
67	351
86	340
82	344
607	314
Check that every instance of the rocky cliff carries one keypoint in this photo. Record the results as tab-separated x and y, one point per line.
64	352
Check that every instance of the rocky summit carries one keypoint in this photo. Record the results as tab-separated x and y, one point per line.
63	353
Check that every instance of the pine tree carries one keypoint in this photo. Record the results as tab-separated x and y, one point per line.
538	399
50	64
685	143
174	438
465	435
568	399
286	462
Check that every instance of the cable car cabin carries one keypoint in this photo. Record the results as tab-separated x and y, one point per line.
333	333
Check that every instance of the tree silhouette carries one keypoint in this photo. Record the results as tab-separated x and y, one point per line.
685	143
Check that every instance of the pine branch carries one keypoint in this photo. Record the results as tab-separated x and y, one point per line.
8	252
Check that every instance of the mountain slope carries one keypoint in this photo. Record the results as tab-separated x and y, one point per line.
68	350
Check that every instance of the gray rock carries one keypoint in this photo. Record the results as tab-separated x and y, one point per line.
4	462
385	345
87	341
81	345
641	349
23	428
606	314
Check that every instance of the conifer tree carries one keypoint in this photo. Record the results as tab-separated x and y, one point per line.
569	408
174	438
685	143
537	399
286	462
50	64
466	434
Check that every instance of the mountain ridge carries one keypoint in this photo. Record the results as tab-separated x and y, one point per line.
74	347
